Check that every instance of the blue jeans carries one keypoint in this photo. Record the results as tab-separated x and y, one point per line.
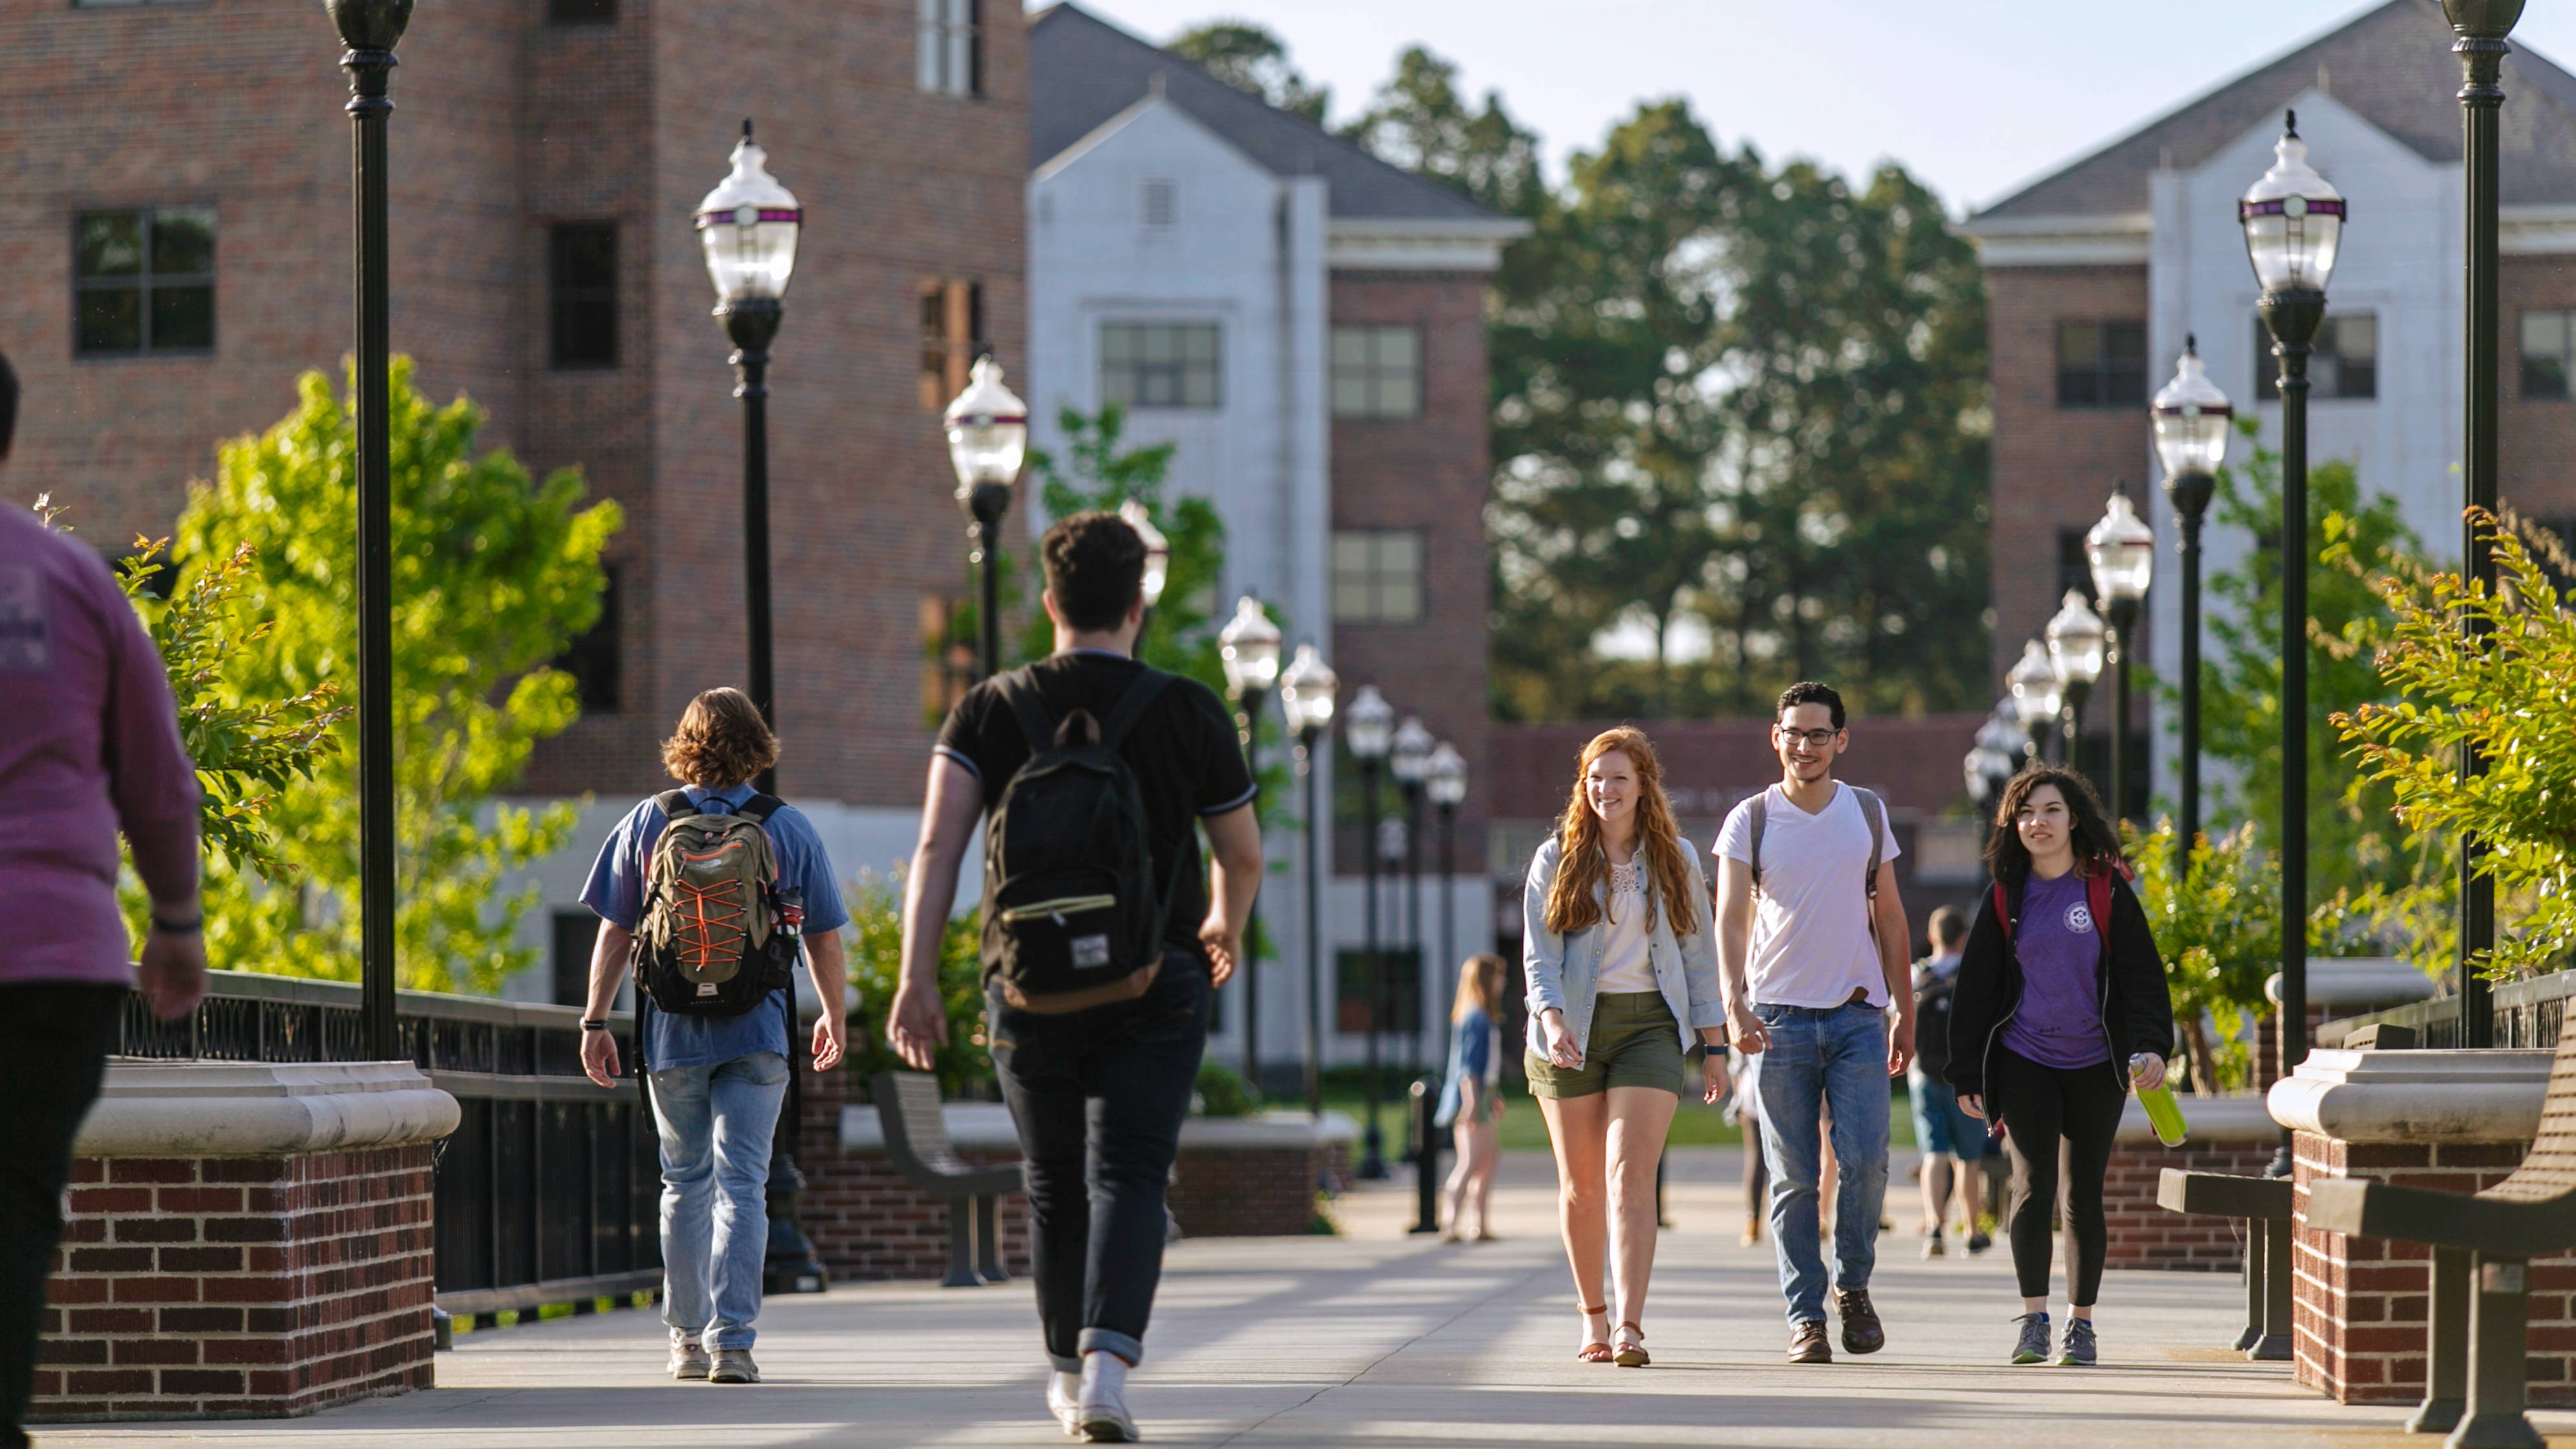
1834	1059
715	1124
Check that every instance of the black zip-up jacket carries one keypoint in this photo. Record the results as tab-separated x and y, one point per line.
2137	1008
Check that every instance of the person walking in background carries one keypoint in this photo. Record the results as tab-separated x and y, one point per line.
707	892
1953	1143
89	747
1622	982
1810	973
1098	1076
2061	1003
1469	1104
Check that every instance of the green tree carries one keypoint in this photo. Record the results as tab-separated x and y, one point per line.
1098	470
1254	60
2218	922
493	576
2507	694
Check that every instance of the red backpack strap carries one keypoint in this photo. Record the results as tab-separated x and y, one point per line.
2097	898
2003	912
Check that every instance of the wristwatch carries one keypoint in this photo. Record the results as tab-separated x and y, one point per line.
588	1025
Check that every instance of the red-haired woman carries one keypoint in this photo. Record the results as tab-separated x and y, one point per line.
1623	981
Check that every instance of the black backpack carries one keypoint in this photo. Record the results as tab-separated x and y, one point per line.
1933	997
1072	915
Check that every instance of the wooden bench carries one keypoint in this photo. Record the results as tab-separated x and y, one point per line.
2482	1250
916	1140
2264	1203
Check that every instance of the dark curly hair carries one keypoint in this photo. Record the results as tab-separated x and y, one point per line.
722	741
2089	825
1095	566
1808	691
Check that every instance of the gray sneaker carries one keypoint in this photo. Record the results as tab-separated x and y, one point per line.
734	1366
688	1360
2079	1351
2032	1346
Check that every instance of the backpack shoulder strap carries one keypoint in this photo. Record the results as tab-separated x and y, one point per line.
760	807
2003	912
675	804
1131	706
1876	815
1761	816
1019	689
2097	897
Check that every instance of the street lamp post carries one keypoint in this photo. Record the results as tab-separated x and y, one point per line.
370	29
2076	645
1249	647
2191	422
1158	553
1306	699
1370	733
2293	225
988	439
2481	26
2121	552
1410	763
1445	779
2036	695
748	226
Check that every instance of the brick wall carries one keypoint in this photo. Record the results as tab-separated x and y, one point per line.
2360	1303
250	1287
1247	1192
2144	1235
2534	438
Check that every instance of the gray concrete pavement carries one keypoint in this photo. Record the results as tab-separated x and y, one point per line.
1376	1339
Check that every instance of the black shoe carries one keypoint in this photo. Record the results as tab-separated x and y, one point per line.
1807	1343
1978	1243
1862	1332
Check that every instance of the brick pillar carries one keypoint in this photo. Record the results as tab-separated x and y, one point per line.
245	1241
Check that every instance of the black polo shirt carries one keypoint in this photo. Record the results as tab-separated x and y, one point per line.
1185	752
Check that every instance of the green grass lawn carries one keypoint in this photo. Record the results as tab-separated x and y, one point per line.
1524	1129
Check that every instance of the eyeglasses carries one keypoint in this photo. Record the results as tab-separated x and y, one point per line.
1816	739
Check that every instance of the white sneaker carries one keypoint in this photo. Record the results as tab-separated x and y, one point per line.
734	1366
1064	1400
688	1360
1101	1414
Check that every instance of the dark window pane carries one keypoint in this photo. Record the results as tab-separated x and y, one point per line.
581	267
2544	379
593	659
182	318
2356	378
110	244
2124	363
111	320
183	241
2074	570
581	12
575	933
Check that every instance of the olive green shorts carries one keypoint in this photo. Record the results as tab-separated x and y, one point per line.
1635	1043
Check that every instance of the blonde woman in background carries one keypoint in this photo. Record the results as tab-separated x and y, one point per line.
1623	981
1469	1105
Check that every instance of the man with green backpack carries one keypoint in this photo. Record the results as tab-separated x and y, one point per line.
711	894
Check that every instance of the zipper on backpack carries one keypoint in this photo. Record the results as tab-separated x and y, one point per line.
1058	907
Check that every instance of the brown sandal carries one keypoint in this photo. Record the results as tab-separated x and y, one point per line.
1598	1350
1631	1354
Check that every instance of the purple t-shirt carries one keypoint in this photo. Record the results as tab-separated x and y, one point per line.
2059	1021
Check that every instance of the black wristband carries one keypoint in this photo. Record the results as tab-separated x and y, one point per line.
188	927
589	1025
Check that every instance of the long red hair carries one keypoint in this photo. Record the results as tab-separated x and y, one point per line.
1583	867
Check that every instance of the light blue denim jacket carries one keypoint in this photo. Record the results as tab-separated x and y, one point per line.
1565	971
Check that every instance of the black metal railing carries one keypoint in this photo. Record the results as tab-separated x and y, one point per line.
2528	1014
547	1192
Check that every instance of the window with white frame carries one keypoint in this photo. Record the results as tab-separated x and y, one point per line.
1161	365
1377	372
952	47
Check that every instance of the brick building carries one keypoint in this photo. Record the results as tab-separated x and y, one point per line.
174	214
2097	272
1306	324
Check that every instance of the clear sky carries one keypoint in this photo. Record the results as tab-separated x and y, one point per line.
1973	96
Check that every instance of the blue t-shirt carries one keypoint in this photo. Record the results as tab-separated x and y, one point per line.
616	894
2059	1021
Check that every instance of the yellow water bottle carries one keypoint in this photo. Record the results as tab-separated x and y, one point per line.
2163	1113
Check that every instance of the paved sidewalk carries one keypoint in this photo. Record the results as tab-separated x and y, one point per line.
1376	1339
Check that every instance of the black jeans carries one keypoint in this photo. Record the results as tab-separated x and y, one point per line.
1098	1097
55	1036
2048	1110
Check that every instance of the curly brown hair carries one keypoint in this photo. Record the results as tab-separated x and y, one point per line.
721	742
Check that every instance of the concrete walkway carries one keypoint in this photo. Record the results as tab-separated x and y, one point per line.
1379	1340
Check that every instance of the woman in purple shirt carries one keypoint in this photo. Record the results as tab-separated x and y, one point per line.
2060	992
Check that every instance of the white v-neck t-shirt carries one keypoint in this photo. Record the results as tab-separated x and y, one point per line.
1811	940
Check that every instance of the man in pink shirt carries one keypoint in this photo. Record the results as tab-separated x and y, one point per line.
89	745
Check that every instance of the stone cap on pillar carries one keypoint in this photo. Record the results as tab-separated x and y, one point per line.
2473	1095
260	1109
2357	982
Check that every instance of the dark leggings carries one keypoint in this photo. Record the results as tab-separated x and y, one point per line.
2046	1110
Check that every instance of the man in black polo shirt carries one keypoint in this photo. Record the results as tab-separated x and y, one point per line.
1097	1095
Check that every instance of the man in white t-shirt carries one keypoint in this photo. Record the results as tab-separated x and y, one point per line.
1813	949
